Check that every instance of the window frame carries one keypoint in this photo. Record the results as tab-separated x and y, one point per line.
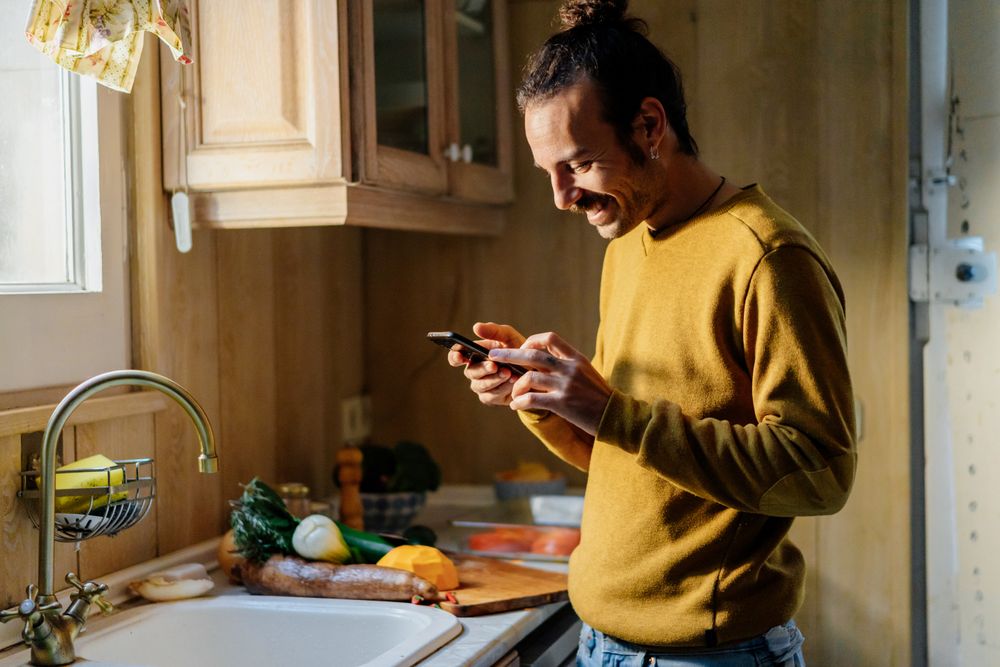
60	337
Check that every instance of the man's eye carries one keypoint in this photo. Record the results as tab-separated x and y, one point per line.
581	167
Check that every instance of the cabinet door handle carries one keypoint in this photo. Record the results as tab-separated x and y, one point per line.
180	209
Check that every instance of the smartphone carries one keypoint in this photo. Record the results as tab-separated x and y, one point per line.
474	351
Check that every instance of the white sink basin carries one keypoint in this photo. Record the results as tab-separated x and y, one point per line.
269	631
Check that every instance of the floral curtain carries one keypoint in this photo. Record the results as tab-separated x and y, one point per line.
103	38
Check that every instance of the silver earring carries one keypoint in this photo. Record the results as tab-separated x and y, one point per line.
654	153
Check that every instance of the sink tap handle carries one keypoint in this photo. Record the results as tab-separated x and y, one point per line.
30	612
91	592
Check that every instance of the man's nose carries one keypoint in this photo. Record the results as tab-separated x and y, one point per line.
564	191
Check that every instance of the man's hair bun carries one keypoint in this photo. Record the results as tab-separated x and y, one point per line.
574	13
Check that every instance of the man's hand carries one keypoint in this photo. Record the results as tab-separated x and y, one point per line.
490	383
561	380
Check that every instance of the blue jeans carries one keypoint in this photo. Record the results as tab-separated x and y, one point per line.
781	646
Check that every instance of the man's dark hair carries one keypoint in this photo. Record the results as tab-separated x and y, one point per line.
600	42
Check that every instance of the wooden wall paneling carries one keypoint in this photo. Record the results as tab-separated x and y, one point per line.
755	110
174	328
127	438
673	29
15	572
414	284
319	325
18	537
865	550
302	389
247	357
33	397
28	420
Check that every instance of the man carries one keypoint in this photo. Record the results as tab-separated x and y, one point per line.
718	404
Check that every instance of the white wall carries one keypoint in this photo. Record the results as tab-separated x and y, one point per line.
974	336
969	361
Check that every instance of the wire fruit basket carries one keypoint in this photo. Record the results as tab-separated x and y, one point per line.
120	502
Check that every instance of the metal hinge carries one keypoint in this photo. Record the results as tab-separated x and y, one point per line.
958	273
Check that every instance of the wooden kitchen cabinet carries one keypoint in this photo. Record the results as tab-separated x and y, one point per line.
313	112
435	97
479	100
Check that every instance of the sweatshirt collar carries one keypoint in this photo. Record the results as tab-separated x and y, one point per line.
648	241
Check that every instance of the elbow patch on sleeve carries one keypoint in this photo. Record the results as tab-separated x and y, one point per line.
811	492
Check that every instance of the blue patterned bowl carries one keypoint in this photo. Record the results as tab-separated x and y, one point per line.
391	512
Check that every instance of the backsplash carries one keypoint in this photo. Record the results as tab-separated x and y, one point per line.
128	435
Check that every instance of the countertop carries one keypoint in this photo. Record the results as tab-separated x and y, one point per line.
483	641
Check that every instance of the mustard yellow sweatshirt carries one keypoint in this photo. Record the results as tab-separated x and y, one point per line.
723	339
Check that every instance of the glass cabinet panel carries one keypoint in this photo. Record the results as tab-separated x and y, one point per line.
401	97
477	79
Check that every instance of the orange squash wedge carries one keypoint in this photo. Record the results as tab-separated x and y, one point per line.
425	562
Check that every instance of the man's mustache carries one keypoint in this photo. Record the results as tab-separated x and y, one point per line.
588	201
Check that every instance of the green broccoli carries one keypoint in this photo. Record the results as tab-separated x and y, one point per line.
416	471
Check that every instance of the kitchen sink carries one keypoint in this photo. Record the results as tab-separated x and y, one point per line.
267	631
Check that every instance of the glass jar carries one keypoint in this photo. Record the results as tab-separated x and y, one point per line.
296	497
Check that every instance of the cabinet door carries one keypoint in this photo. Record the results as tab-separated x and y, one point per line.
481	100
262	100
403	91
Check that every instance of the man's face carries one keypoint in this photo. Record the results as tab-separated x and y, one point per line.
589	170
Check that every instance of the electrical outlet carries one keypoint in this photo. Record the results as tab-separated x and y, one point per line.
356	419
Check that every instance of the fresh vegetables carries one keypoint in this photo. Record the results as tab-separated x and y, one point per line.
318	538
262	524
418	534
408	466
229	556
425	562
416	471
269	537
263	527
365	547
288	575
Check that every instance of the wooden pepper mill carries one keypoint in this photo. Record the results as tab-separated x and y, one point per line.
349	476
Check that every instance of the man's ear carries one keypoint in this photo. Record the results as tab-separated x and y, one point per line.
650	124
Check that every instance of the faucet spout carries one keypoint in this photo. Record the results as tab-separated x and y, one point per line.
208	460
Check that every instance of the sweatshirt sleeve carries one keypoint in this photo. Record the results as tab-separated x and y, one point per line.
556	433
799	457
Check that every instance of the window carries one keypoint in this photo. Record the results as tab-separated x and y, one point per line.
63	292
44	225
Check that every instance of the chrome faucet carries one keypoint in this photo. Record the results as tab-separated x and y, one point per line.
49	633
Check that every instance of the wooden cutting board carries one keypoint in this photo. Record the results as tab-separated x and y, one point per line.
488	586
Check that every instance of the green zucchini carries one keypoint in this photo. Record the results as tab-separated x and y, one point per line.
365	547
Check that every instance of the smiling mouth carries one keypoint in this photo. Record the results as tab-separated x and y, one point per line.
592	205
